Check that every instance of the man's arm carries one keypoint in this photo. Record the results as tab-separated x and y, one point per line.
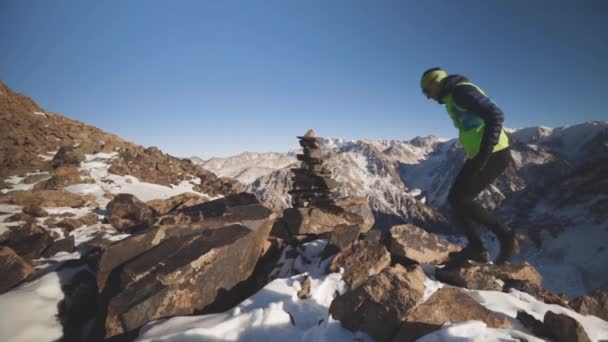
468	97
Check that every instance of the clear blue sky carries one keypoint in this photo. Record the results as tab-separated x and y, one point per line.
216	78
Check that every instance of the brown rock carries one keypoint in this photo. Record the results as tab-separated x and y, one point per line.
36	178
359	206
62	245
126	211
414	243
29	240
63	176
565	328
315	221
67	155
71	223
476	276
360	260
595	303
13	268
340	238
381	303
20	217
447	304
163	207
304	292
35	211
537	327
180	269
45	198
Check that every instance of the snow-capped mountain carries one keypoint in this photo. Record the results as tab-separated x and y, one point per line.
555	186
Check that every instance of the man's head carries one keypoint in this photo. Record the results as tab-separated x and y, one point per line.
430	82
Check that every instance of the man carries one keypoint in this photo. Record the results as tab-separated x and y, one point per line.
486	144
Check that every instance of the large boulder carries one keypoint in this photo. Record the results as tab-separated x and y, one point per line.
28	240
48	198
63	176
565	328
35	211
198	212
381	303
13	268
447	304
478	276
187	199
340	238
360	260
62	245
414	243
316	221
125	211
67	155
180	269
595	303
359	206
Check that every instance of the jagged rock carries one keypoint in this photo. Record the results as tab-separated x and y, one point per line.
316	221
340	238
63	176
13	268
360	260
414	243
477	276
70	223
179	269
304	291
359	206
163	207
537	292
595	303
67	155
537	327
126	211
565	328
28	240
35	211
381	303
47	198
63	245
447	304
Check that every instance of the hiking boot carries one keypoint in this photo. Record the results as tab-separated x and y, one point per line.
470	253
509	247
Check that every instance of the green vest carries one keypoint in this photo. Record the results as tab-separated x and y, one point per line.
470	126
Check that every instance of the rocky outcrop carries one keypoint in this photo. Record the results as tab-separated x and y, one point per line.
63	176
62	245
477	276
414	243
381	303
71	223
179	269
165	206
340	238
360	260
565	328
359	206
127	212
316	221
595	303
13	268
28	240
447	304
67	156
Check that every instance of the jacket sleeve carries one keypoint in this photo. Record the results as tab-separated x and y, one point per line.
471	99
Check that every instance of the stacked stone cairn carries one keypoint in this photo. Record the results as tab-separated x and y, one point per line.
312	182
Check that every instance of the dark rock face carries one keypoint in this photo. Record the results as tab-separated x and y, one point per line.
13	268
565	328
447	305
595	303
414	243
381	303
476	276
360	260
126	211
180	269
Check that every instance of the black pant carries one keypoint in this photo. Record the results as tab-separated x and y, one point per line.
468	184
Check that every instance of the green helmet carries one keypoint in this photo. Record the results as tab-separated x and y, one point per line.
432	76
